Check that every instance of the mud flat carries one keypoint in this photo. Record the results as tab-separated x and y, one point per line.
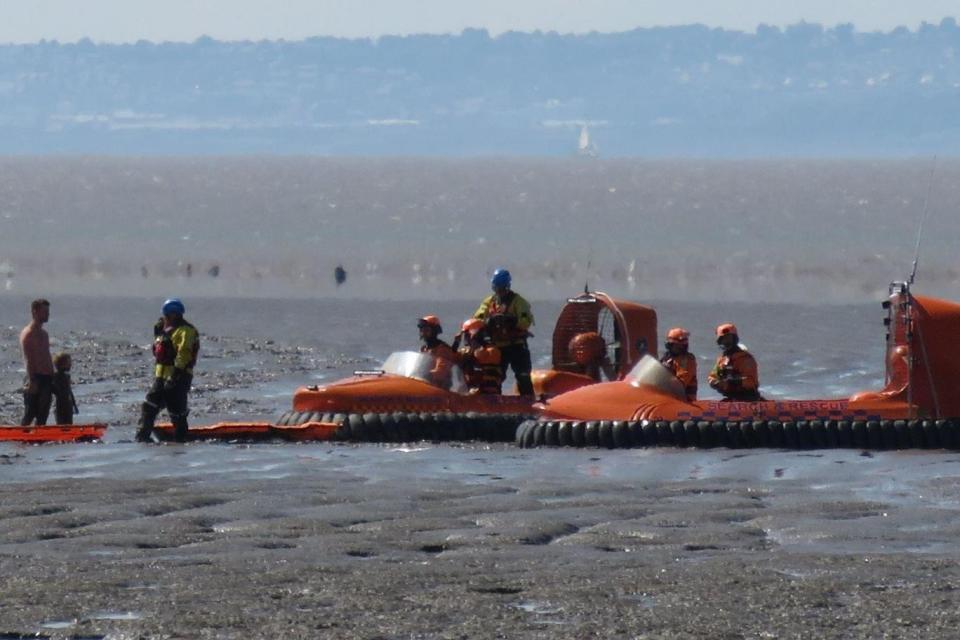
236	541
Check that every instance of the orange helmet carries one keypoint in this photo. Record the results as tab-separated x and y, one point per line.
726	330
472	325
430	321
679	335
587	348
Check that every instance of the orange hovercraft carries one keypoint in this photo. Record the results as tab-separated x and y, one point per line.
919	406
417	396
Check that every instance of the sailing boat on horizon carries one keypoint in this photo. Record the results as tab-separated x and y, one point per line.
586	146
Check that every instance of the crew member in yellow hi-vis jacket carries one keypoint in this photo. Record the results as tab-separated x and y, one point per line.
176	344
508	319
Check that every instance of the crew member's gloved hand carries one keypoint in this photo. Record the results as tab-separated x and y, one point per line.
169	385
158	328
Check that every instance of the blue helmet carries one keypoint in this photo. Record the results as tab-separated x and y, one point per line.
173	305
501	278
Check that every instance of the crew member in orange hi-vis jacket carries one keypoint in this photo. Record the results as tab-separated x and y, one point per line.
589	353
479	358
680	361
429	342
735	374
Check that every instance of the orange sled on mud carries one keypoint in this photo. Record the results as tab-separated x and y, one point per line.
918	407
415	396
52	433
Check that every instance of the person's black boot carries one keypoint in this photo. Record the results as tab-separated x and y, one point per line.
148	414
180	428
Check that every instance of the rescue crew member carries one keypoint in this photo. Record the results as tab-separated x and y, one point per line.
175	347
35	347
735	373
479	359
429	342
508	319
589	352
680	361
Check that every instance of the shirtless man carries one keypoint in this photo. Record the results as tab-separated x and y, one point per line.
35	346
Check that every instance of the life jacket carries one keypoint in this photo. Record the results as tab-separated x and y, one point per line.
684	366
176	347
163	350
481	368
736	376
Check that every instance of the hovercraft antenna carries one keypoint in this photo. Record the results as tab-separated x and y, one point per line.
923	218
905	290
586	271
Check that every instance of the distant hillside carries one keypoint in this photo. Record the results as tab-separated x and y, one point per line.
803	90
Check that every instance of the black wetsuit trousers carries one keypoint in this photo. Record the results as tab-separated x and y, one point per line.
37	404
517	357
171	397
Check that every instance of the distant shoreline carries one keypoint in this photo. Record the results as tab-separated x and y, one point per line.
802	90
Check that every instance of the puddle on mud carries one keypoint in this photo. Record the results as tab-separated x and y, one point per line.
644	600
115	615
58	624
539	608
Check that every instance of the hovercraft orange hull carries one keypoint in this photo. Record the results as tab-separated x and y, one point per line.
623	401
388	393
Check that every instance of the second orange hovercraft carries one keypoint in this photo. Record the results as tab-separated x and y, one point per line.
415	396
919	407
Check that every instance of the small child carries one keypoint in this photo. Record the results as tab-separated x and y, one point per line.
63	390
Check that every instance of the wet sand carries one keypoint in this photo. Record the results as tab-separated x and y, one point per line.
237	541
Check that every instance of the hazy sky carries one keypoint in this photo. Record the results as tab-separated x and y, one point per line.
131	20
